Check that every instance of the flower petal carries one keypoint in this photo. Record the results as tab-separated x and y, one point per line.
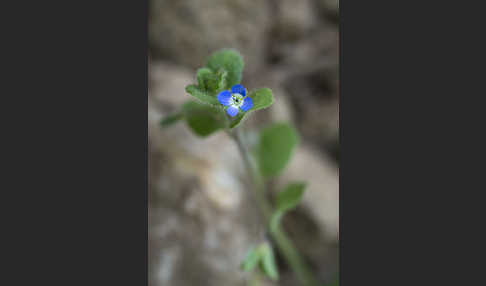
238	88
232	111
224	97
247	104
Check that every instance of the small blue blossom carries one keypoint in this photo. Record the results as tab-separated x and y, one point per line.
235	100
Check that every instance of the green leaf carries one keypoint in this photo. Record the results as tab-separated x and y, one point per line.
269	266
264	257
222	79
262	98
290	197
286	200
203	119
230	61
171	119
204	76
276	145
201	95
251	259
210	81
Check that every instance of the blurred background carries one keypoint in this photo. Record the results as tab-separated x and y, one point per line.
202	220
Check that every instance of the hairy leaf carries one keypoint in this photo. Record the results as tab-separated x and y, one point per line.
269	265
203	119
290	197
262	98
275	148
286	200
230	61
201	95
211	82
251	260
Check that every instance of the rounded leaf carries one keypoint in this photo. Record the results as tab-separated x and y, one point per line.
275	148
230	61
202	119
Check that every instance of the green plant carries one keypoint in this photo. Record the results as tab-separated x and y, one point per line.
221	103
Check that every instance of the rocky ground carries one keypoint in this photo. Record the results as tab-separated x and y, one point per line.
201	217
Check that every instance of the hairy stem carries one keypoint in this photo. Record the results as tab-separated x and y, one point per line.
256	179
284	244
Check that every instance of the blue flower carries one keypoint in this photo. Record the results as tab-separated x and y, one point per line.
235	100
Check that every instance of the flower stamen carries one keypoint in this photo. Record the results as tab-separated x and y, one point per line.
236	100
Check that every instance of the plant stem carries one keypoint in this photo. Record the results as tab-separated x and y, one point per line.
258	183
284	244
293	258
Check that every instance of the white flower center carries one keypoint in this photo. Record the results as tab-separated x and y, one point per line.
236	100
